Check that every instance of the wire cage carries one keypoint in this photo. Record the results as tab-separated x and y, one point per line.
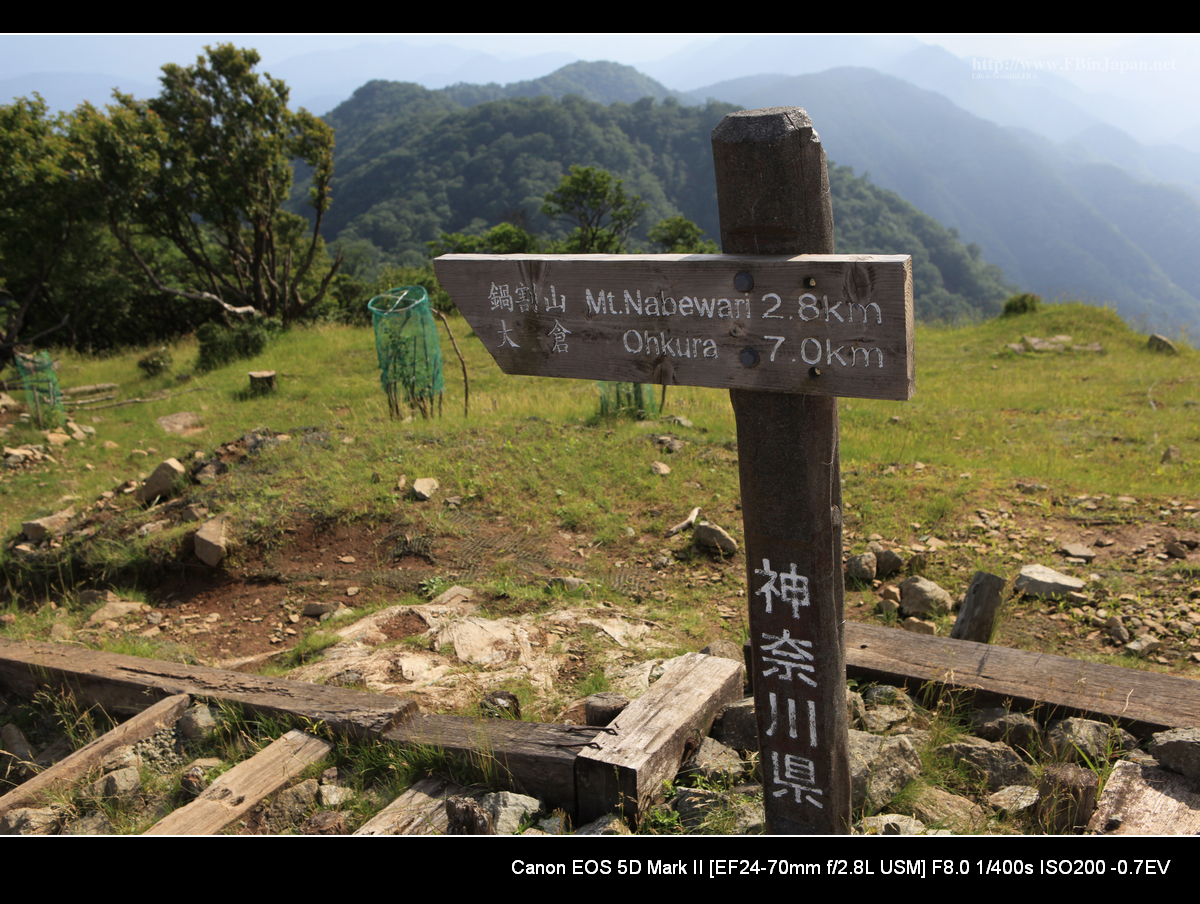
43	397
410	358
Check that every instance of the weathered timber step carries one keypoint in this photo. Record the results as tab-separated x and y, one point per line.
1142	701
161	715
529	757
129	684
243	787
421	810
645	745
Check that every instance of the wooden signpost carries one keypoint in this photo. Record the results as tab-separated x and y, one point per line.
787	327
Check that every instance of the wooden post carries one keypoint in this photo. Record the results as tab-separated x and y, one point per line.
773	195
262	382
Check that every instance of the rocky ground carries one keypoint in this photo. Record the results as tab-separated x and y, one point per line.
1135	596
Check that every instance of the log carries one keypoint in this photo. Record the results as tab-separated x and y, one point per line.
624	769
262	382
1142	702
243	787
1143	800
67	771
527	757
421	810
128	684
977	618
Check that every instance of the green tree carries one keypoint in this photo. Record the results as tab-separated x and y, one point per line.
207	165
45	214
503	238
679	235
596	203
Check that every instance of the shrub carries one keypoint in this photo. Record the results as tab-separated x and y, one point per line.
221	345
1025	303
155	363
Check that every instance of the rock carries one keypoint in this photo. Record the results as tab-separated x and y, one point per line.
292	804
1159	343
1143	645
161	484
660	468
935	806
182	423
1175	549
1040	581
879	768
120	784
714	538
725	649
887	561
892	824
1014	799
1078	551
1171	455
424	487
210	542
570	584
50	526
1015	729
1178	750
1073	740
501	705
509	810
995	764
605	825
467	817
861	568
30	821
919	627
198	722
921	596
713	761
116	609
16	755
736	726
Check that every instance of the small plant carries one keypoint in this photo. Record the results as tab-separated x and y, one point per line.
156	362
1025	303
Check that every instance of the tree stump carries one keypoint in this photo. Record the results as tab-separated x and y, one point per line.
262	382
1066	798
467	817
600	709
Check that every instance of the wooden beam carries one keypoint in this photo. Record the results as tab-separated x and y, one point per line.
71	769
243	787
624	769
421	810
532	758
1143	702
129	684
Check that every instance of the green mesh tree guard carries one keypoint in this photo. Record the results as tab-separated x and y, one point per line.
42	395
406	340
636	400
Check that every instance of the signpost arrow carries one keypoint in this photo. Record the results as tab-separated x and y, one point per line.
819	323
787	326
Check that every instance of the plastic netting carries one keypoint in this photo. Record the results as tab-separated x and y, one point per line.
406	340
42	395
636	400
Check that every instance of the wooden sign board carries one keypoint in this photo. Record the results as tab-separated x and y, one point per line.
821	324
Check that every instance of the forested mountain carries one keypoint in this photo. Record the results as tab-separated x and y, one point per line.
411	164
1090	231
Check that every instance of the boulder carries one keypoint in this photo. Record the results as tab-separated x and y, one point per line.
921	596
211	542
161	484
1040	581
